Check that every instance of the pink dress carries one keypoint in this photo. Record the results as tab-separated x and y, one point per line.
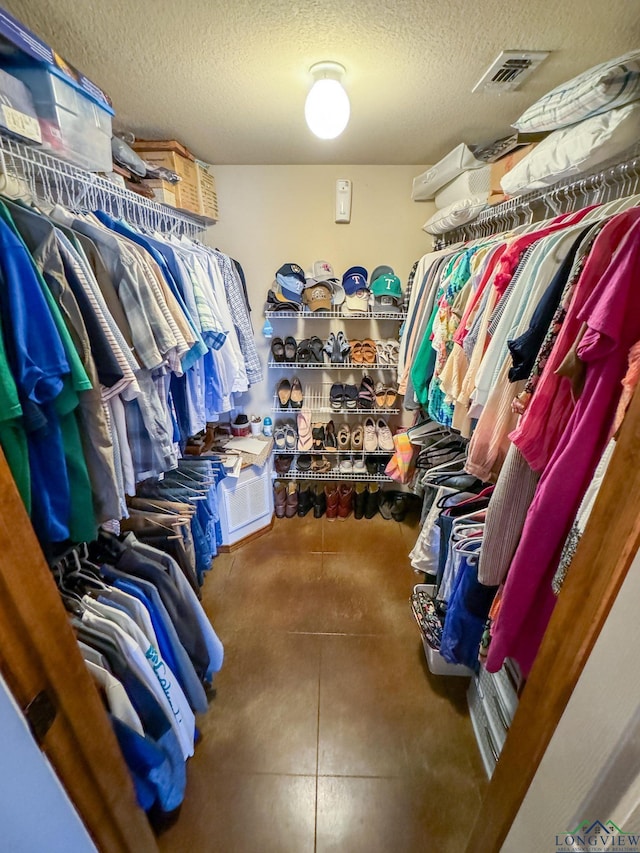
612	314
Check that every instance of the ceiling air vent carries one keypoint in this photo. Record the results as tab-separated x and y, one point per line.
509	70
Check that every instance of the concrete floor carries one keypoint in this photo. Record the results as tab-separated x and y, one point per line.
328	732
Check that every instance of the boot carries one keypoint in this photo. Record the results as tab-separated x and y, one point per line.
291	507
359	499
319	501
305	500
279	498
373	500
345	500
332	497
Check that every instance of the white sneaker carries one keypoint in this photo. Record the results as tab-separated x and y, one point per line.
385	438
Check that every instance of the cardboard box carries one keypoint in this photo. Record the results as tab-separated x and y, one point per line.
163	191
501	167
163	145
207	194
186	190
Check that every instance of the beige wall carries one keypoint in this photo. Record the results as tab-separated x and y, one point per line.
271	215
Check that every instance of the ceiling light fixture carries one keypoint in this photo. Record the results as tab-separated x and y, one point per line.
327	107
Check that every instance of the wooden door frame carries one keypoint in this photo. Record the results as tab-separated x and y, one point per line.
602	560
39	653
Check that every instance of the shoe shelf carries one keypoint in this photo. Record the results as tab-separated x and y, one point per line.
334	474
316	398
296	365
332	453
334	315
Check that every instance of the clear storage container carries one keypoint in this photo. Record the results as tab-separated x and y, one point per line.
74	126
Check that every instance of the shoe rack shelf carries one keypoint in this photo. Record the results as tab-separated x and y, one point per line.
334	474
316	398
335	315
296	365
332	453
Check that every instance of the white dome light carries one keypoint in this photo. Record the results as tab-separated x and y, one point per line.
327	107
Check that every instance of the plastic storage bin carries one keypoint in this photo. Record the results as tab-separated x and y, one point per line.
74	126
436	663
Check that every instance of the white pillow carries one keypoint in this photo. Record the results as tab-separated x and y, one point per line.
608	85
575	150
456	214
426	185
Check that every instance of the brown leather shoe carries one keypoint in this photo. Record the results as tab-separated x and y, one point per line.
331	493
345	500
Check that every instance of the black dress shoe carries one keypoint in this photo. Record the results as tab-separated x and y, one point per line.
305	500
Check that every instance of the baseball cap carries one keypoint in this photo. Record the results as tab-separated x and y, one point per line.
274	300
387	285
383	269
291	279
317	296
284	294
356	303
354	279
323	271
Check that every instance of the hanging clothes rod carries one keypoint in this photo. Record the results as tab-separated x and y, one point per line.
616	180
29	171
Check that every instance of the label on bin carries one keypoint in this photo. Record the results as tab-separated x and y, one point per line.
21	124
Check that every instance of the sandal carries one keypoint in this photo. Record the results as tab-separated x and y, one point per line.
284	393
381	352
303	353
366	394
330	347
297	396
357	438
317	350
344	438
283	463
350	397
368	351
381	395
336	396
344	346
290	438
305	439
370	436
290	349
317	433
356	352
392	350
320	465
278	349
330	440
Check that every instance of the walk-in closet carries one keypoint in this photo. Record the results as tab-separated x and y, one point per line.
319	427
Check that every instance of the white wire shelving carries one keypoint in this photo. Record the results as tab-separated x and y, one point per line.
298	365
332	453
334	474
317	399
42	176
334	314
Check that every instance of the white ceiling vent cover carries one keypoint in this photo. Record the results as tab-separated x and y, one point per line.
509	70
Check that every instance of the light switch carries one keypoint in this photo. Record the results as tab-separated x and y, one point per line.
343	201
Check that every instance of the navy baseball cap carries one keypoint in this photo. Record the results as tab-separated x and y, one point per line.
354	279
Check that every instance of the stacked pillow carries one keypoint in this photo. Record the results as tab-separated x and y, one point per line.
594	118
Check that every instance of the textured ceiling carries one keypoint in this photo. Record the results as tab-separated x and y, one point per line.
229	77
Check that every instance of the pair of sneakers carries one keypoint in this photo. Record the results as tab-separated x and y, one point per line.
377	436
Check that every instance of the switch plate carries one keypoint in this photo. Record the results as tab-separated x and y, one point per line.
343	201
